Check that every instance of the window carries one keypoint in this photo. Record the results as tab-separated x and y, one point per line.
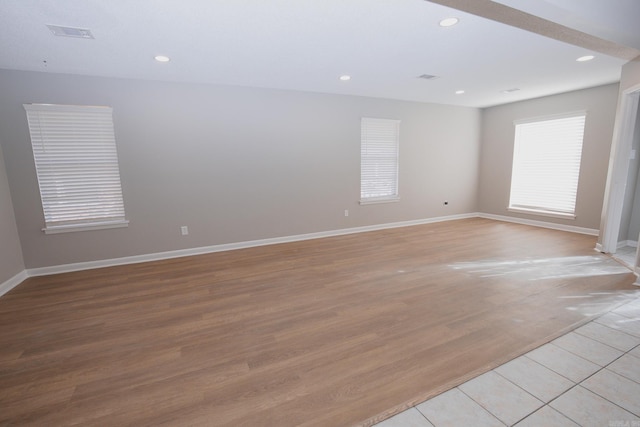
546	165
379	160
74	149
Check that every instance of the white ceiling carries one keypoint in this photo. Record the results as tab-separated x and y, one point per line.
307	44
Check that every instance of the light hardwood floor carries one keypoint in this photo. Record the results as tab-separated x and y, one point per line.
331	332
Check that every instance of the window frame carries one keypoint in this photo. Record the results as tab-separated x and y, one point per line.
76	136
367	159
547	211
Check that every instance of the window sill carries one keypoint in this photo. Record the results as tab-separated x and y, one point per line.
542	212
376	200
55	229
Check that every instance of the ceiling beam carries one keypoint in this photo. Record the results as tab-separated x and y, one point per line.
516	18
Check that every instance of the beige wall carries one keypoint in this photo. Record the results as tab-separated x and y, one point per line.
497	151
236	164
11	262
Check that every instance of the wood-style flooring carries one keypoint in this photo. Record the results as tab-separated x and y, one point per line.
338	331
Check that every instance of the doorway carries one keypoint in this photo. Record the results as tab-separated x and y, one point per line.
620	224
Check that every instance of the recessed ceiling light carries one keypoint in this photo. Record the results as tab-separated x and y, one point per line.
585	58
459	92
345	78
449	22
162	58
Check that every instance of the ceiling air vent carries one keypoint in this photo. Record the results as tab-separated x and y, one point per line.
80	33
428	77
515	89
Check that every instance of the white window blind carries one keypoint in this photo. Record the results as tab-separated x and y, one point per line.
379	147
546	165
74	149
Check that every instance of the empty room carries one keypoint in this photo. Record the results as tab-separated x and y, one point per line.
319	213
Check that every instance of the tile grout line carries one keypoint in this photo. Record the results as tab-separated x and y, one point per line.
480	404
423	415
589	338
619	315
578	384
605	326
546	367
613	372
526	391
570	388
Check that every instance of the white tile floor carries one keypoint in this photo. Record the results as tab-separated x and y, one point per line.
626	255
588	377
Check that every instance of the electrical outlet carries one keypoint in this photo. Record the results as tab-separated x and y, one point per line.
184	230
346	212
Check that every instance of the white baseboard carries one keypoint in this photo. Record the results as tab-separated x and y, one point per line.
158	256
65	268
13	282
543	224
630	243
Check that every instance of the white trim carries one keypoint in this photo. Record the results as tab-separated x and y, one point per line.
550	117
546	166
542	212
379	142
43	271
7	285
630	243
64	140
65	268
66	108
542	224
624	127
377	200
55	229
